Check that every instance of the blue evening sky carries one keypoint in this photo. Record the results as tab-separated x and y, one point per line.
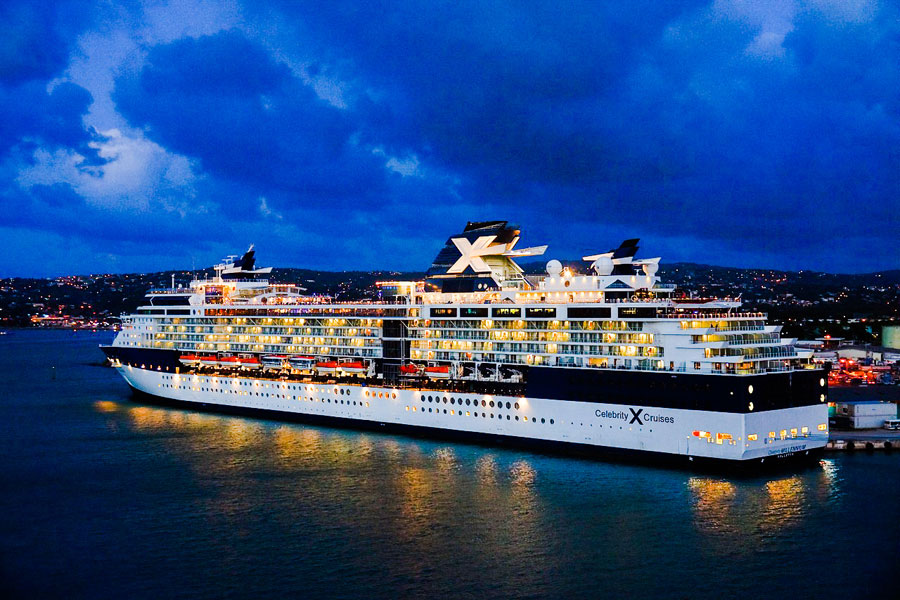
140	136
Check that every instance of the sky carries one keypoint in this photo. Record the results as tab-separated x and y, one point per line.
141	136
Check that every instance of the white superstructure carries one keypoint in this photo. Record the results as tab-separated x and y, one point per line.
608	359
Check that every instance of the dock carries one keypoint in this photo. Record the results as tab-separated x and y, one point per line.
865	440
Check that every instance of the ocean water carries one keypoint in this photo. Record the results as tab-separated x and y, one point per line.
102	496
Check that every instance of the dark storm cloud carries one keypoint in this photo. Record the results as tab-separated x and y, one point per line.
686	119
35	43
59	208
509	93
224	100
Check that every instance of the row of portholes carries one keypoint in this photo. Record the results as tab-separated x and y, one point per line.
378	395
336	401
469	402
484	415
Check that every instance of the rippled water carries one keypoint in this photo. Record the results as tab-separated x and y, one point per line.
102	496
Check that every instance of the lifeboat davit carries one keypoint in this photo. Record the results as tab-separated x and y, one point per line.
327	367
189	359
440	372
409	370
302	363
354	367
273	361
229	361
250	362
209	360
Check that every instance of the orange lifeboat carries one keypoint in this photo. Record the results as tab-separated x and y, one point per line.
229	361
409	370
209	360
355	367
190	360
249	362
327	367
439	372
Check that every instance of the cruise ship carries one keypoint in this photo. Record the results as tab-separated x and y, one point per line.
599	357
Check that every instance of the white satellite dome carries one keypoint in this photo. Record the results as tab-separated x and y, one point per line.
554	268
603	265
651	268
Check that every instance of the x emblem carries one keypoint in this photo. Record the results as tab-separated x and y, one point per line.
636	416
472	253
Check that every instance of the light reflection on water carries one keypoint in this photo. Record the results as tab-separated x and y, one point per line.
739	515
720	507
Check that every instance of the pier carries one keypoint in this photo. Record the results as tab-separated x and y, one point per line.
863	440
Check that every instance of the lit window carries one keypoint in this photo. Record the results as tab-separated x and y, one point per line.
804	430
751	437
794	432
772	434
822	426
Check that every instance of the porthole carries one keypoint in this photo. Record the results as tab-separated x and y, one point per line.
483	403
517	417
750	407
445	400
822	398
467	401
749	389
822	382
533	420
507	405
551	421
542	420
492	404
517	406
